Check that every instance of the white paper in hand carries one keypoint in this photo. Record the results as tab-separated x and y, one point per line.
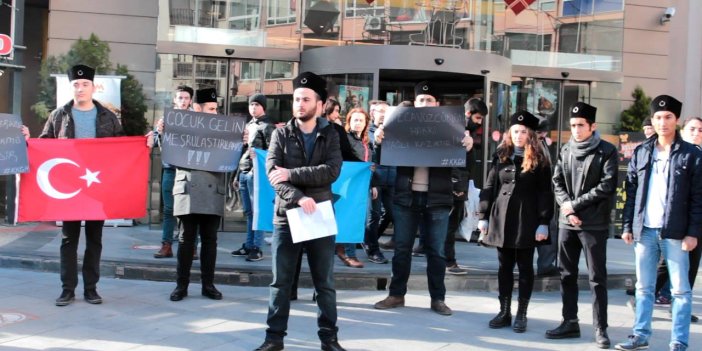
304	227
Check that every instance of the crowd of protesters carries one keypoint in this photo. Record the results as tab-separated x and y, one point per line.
662	213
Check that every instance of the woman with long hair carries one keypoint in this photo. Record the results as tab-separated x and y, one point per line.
516	206
330	111
357	124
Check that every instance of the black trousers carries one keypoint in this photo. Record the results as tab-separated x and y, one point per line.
190	225
594	244
663	276
457	213
91	258
522	258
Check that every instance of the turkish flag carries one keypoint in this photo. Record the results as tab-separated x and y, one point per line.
84	179
518	6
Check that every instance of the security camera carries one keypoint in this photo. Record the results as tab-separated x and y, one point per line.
484	71
229	51
565	74
669	13
439	61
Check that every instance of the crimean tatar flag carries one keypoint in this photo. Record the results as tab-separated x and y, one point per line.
518	6
84	179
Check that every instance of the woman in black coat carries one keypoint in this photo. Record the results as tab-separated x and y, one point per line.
516	206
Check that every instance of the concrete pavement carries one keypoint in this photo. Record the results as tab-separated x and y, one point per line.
137	315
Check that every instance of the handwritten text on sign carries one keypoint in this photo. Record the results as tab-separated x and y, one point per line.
13	148
424	137
202	141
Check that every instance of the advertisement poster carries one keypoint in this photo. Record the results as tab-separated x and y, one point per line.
351	97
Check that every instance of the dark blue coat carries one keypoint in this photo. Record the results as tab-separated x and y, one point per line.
683	215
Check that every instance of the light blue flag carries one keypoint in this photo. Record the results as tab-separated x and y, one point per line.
351	194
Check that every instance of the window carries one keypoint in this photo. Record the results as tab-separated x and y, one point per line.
591	7
279	69
544	5
361	8
281	12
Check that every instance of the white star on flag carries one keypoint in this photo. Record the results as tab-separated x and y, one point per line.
91	177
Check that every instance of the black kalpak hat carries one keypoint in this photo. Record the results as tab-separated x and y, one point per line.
312	81
425	88
666	103
81	72
206	95
647	122
526	119
583	110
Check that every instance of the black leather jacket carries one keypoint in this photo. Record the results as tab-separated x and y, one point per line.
314	178
60	124
592	203
683	215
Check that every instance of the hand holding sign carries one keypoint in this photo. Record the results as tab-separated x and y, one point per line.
379	134
467	141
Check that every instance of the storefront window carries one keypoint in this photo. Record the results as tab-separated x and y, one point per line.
351	90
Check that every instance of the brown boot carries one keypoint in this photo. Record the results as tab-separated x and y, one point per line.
165	251
353	262
390	302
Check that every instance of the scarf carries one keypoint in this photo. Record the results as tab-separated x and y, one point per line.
582	148
518	151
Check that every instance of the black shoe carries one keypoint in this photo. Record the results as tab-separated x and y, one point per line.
254	255
378	258
67	296
504	317
631	292
91	296
694	319
211	292
242	251
602	339
179	293
270	346
332	345
567	330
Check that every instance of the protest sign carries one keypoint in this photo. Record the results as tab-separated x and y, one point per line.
13	148
424	137
202	141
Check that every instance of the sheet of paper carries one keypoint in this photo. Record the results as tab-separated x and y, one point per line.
304	227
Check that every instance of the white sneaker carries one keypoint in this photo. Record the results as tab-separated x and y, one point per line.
268	240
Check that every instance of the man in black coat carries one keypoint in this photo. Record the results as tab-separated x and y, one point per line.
304	159
584	183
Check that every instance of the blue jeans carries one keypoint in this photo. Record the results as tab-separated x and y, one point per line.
254	238
407	220
649	249
168	225
320	256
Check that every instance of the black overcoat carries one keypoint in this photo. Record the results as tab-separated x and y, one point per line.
515	203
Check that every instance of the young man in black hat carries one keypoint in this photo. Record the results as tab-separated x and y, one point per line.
198	202
259	130
304	159
423	196
81	117
663	217
584	183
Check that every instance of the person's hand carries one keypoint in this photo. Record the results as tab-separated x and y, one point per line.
235	184
374	193
150	139
159	126
483	226
245	137
567	208
379	134
467	141
308	205
25	132
541	237
252	153
575	220
541	233
628	238
689	243
279	175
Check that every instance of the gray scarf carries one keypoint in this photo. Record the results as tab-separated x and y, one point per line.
582	148
518	151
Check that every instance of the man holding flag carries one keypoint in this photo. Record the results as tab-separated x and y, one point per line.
82	117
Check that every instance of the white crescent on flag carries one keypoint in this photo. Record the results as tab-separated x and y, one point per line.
44	182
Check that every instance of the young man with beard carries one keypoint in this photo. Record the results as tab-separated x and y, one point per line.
304	159
584	183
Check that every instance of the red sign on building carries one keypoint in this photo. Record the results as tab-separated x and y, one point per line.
5	44
7	25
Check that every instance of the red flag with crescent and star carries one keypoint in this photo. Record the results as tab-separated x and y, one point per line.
518	6
84	179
